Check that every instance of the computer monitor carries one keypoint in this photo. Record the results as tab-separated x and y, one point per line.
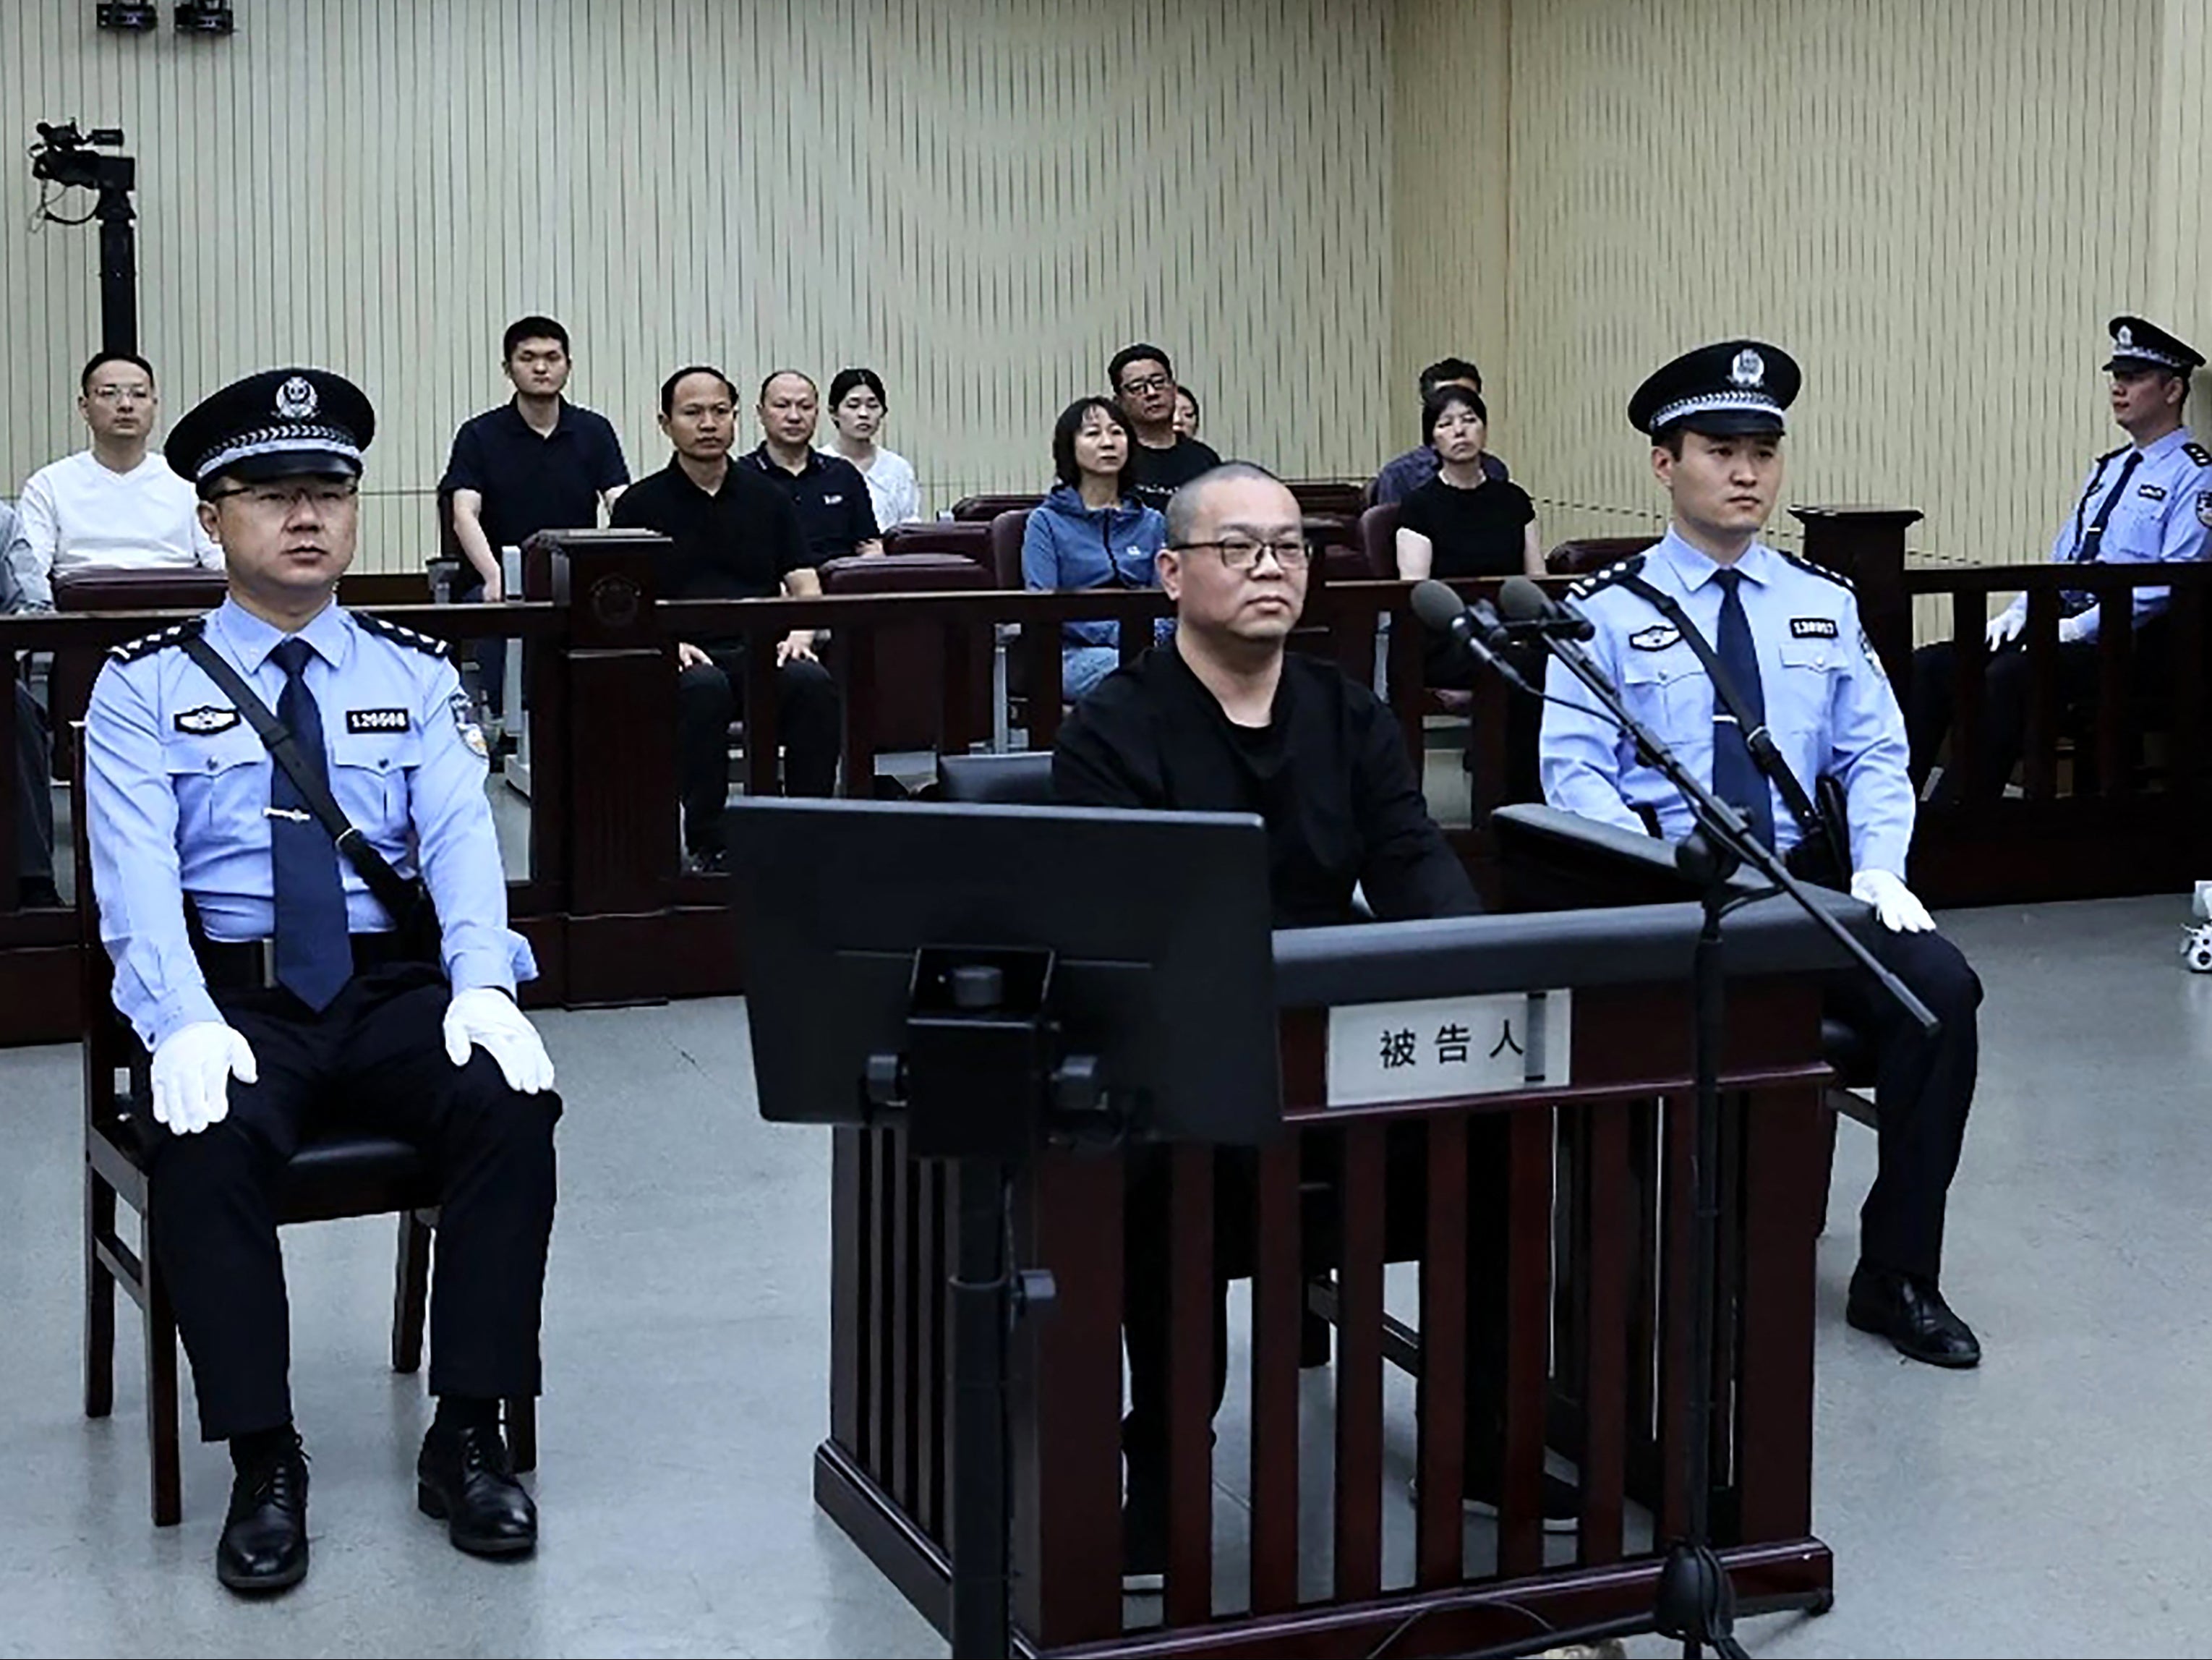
1159	923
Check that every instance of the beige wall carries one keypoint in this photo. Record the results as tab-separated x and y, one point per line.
1936	207
982	198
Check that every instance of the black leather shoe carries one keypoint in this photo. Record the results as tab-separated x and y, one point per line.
465	1480
1913	1316
264	1536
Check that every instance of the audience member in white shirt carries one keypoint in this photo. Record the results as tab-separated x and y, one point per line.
857	405
118	503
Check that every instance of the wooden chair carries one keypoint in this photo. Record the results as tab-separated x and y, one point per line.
336	1174
982	509
968	537
1594	553
911	662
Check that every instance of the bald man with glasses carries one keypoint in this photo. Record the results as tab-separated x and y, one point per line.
1223	719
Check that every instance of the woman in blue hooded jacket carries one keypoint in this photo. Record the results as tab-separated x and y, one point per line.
1091	533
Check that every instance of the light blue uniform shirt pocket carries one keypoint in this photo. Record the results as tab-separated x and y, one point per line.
371	774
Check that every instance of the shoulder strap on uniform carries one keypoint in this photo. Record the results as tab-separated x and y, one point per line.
2113	455
1611	576
399	635
161	640
394	891
1812	569
1756	736
2198	453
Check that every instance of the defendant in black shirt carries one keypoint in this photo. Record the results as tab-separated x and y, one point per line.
1223	719
736	536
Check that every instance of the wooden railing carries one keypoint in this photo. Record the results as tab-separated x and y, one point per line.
614	918
2113	788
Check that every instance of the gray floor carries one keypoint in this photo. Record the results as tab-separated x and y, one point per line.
2052	1502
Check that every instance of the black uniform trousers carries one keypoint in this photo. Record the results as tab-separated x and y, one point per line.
709	696
2004	702
1924	1087
34	788
374	1060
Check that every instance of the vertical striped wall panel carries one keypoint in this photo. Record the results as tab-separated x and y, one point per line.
1934	208
1451	237
980	198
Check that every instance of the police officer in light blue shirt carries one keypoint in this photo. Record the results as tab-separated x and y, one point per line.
1786	636
2149	502
273	989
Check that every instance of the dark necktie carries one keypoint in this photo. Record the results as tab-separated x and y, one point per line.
1736	777
314	955
2075	601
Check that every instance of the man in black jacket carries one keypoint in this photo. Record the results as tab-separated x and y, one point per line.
1224	720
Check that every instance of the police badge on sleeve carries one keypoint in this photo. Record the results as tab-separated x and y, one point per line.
465	722
2205	507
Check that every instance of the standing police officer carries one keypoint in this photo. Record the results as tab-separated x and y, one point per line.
276	992
1787	639
2147	502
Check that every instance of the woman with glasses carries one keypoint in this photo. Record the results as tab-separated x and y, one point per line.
1091	533
857	410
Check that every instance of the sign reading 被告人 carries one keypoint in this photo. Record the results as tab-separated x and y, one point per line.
1441	1047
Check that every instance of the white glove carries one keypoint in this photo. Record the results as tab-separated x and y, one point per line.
1895	905
486	1017
192	1067
2072	630
2005	626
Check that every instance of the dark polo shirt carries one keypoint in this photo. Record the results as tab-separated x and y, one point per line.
531	483
831	496
1155	475
738	544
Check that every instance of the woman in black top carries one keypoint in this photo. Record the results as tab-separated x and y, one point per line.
1463	522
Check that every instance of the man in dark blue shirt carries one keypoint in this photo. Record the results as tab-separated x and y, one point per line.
831	496
1402	475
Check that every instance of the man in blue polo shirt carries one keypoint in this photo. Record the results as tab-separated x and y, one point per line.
537	462
828	491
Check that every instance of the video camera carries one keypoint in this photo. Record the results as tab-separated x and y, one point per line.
67	157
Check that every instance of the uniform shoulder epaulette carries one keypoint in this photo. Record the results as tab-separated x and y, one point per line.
1598	582
428	644
2198	453
2114	455
1808	566
161	640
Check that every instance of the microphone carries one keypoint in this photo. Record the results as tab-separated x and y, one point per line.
1442	611
1529	610
1477	626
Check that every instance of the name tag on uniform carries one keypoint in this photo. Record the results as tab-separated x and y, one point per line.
1812	627
2151	492
1442	1048
1657	637
376	720
206	720
832	500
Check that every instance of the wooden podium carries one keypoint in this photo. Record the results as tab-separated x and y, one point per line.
1588	1247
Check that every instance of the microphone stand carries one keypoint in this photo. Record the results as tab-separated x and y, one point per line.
1696	1603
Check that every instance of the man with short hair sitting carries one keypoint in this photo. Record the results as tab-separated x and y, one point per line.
1223	719
115	503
